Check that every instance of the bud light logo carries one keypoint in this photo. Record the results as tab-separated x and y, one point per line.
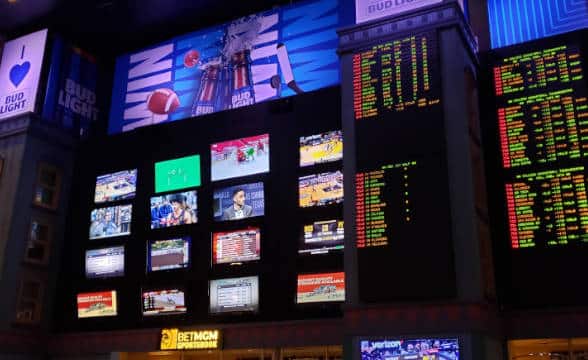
373	9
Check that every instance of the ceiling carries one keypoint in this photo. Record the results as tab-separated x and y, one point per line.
111	27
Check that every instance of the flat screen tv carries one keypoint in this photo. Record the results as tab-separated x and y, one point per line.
111	221
410	349
177	174
238	202
163	302
120	185
236	246
320	189
174	209
96	304
321	148
105	262
234	295
240	157
321	237
168	254
320	288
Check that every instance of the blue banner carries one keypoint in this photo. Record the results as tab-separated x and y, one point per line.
70	99
266	56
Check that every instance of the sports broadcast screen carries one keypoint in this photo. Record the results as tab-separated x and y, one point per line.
106	262
116	186
97	304
321	148
321	237
320	288
177	174
174	209
168	254
238	202
234	295
320	189
410	349
236	246
110	221
240	157
163	302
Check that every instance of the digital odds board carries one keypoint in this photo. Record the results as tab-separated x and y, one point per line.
540	114
401	186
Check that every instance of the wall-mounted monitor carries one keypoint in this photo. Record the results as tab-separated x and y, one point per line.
236	246
97	304
320	189
320	288
168	254
410	349
240	157
174	209
321	237
163	302
177	174
110	221
120	185
234	295
321	148
238	202
105	262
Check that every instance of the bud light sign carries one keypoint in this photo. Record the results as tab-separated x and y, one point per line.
71	101
366	10
20	70
273	54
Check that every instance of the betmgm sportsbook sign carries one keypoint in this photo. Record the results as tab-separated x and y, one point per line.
176	339
366	10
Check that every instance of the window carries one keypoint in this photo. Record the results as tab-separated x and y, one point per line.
47	187
28	307
39	239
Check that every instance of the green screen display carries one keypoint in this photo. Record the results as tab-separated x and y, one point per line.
177	174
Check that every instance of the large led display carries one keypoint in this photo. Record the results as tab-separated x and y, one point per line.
269	55
516	21
240	157
20	70
410	349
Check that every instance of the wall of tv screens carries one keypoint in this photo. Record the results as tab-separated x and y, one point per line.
212	225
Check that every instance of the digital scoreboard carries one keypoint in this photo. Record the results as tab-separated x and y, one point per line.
542	124
395	76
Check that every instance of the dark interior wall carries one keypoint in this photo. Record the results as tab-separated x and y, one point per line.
285	120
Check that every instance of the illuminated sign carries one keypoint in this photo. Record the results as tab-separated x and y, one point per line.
176	339
20	71
366	10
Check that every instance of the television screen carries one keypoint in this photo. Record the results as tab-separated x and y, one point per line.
116	186
97	304
320	237
321	148
240	157
238	202
177	174
163	302
318	288
111	221
234	295
410	349
321	189
105	262
168	254
174	209
236	246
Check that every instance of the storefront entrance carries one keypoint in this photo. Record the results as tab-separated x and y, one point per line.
548	349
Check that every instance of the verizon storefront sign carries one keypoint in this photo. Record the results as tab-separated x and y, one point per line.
366	10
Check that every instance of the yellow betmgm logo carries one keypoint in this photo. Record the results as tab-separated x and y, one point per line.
174	339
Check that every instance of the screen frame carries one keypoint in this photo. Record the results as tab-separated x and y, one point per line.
115	294
182	192
301	166
213	261
235	312
214	180
149	265
175	190
129	233
134	194
110	276
232	187
146	289
335	303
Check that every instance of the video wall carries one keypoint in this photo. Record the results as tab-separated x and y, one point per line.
233	222
540	113
402	211
277	53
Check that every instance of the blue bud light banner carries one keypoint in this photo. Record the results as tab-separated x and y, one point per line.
266	56
71	101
